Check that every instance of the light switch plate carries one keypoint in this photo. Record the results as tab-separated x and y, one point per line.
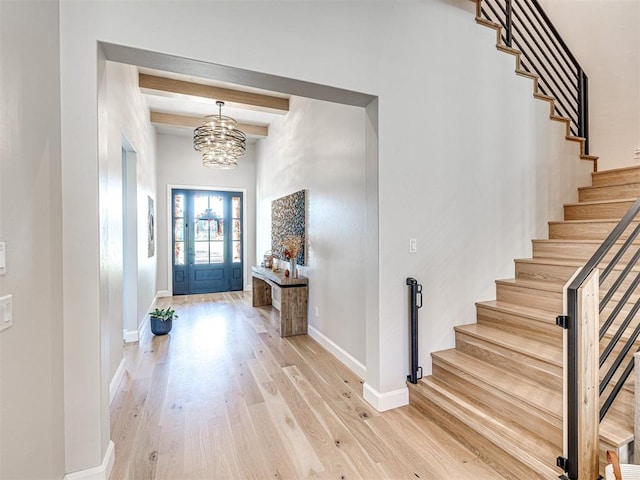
413	245
6	312
3	259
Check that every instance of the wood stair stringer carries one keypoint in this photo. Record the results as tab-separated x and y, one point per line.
536	88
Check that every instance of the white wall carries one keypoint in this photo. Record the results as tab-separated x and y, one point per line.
320	147
468	162
179	164
31	365
125	114
604	35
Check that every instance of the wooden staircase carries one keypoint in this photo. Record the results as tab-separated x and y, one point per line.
499	391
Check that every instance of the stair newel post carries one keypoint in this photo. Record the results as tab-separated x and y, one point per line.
509	26
582	399
415	294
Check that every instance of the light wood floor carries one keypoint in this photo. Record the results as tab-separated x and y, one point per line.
224	397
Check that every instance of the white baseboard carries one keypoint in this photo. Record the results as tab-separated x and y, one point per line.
116	380
131	336
354	365
385	401
101	472
162	293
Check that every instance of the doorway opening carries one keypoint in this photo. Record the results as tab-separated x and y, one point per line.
129	243
207	241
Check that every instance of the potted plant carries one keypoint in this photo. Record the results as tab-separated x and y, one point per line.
162	320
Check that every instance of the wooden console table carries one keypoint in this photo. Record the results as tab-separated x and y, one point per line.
288	295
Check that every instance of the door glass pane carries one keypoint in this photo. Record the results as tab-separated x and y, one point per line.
216	204
179	253
200	205
236	207
178	205
236	252
201	252
236	247
217	229
217	252
236	229
179	230
201	230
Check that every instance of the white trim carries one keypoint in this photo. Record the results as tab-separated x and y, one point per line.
354	365
385	401
96	473
116	380
245	214
162	294
143	328
131	336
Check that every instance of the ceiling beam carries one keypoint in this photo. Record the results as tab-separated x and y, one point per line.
177	120
257	101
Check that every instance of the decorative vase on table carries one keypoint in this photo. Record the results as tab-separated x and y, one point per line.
293	268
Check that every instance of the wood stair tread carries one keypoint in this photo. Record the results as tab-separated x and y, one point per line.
615	432
597	187
600	202
569	241
532	284
531	347
515	439
527	391
575	241
520	310
568	262
614	170
585	220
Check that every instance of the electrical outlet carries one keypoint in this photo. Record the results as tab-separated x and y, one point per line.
317	311
413	245
6	312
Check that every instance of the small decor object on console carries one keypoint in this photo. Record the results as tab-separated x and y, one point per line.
162	320
293	245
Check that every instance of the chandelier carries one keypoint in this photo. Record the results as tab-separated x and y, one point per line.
219	140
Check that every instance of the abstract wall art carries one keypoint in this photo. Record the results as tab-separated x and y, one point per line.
288	217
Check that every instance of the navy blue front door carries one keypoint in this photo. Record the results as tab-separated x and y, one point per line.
207	241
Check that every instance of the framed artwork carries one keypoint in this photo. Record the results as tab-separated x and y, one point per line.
288	218
151	237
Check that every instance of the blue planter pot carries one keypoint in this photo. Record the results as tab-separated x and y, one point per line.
158	327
